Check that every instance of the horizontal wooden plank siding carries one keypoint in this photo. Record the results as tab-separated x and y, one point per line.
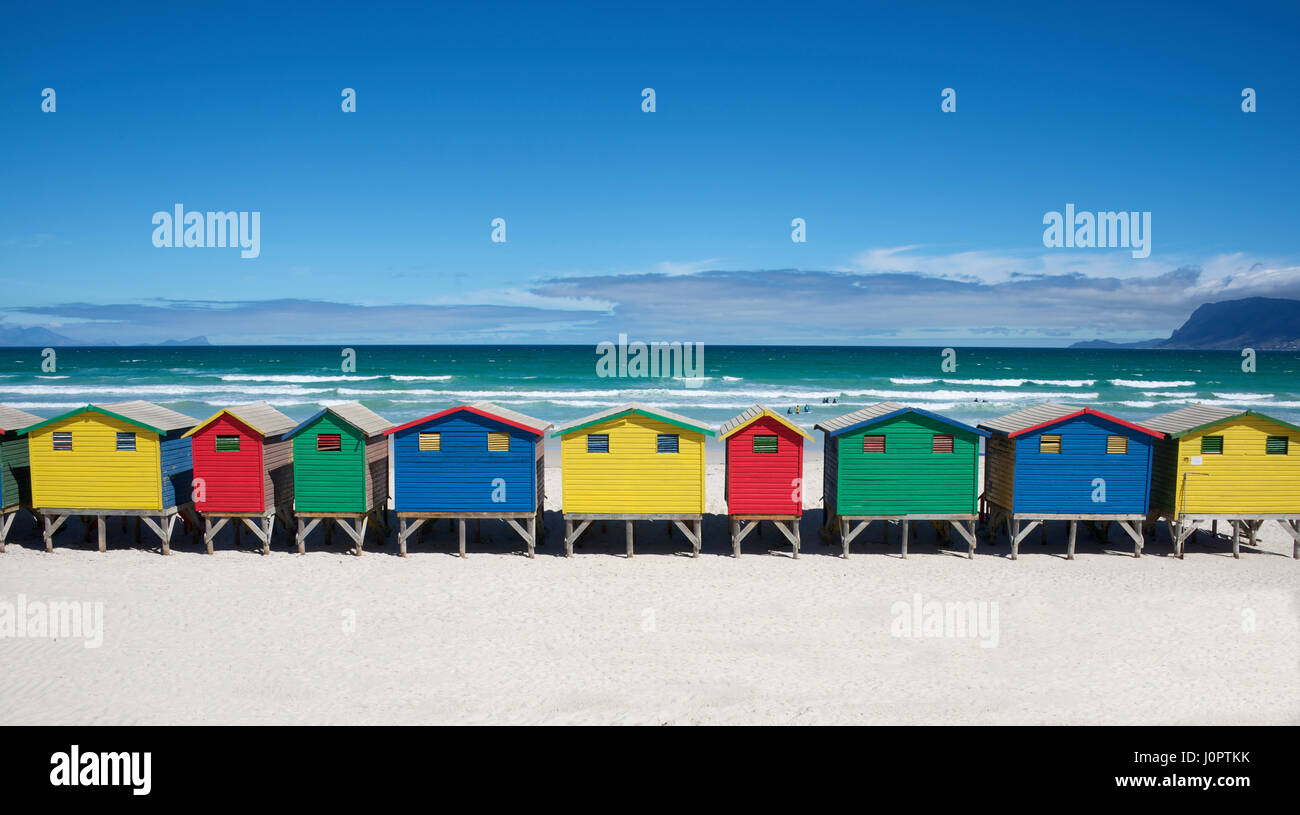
1244	478
15	471
764	483
908	477
277	474
1000	470
633	477
95	474
465	474
233	480
1082	474
177	469
329	481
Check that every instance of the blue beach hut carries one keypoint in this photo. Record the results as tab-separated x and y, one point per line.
470	461
1062	462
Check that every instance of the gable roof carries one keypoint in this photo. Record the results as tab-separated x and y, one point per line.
752	414
1192	418
259	417
537	427
353	413
15	419
144	415
1038	417
883	411
633	407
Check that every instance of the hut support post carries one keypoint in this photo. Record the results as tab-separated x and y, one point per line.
694	533
628	534
1074	531
460	535
164	534
304	529
1236	539
406	527
1134	530
527	534
52	524
791	534
101	532
210	531
6	522
966	529
571	533
907	528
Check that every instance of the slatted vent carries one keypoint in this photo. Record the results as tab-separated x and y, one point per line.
1117	445
873	444
227	444
667	443
329	442
62	441
1211	445
941	444
125	442
764	444
498	442
1049	444
597	443
430	442
1276	445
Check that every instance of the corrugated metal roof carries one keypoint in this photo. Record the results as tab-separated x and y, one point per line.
15	419
859	416
263	417
752	413
1186	418
361	417
1031	416
540	425
165	419
637	406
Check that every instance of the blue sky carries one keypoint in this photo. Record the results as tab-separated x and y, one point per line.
922	227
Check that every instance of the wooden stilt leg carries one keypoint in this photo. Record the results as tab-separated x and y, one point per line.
102	529
735	541
568	538
628	533
844	537
907	528
461	536
532	534
1236	539
795	527
1015	539
699	537
1069	551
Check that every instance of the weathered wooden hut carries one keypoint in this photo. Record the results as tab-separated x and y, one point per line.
1226	464
1054	462
340	472
764	480
15	468
472	461
128	459
243	471
892	463
632	463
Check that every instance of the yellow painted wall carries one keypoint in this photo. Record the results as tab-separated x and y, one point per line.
94	475
1243	479
633	477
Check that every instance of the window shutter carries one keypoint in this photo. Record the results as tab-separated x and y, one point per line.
1049	444
430	442
1276	446
873	444
941	444
63	441
668	442
498	442
329	443
765	444
1211	445
1117	445
597	443
125	442
227	444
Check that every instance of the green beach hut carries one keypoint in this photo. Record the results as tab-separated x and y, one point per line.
340	471
890	462
15	467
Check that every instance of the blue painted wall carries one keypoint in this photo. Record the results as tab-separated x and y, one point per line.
1063	483
177	469
459	477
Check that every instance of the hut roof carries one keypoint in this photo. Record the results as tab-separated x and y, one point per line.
883	411
259	416
633	407
353	413
15	419
537	427
1037	417
144	415
1192	418
736	423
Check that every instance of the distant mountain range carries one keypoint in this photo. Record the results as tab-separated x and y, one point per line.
1262	323
18	337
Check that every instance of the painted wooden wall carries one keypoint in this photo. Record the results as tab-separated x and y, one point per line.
1064	483
1243	479
1000	470
233	481
633	477
376	483
277	469
908	478
15	472
459	477
761	483
95	474
330	481
177	469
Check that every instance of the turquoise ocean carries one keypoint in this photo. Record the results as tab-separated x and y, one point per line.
560	383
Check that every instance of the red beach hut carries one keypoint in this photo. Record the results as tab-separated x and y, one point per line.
764	474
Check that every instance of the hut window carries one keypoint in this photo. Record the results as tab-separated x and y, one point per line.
1276	445
126	442
1049	444
668	442
764	444
597	443
329	443
873	444
1117	445
498	442
227	444
62	441
430	442
941	444
1211	445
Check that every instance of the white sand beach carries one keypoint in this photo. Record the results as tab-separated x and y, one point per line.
663	638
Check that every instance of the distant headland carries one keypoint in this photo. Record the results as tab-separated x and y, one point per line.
1262	323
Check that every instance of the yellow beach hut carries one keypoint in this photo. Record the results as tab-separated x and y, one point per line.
633	463
1221	464
130	459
